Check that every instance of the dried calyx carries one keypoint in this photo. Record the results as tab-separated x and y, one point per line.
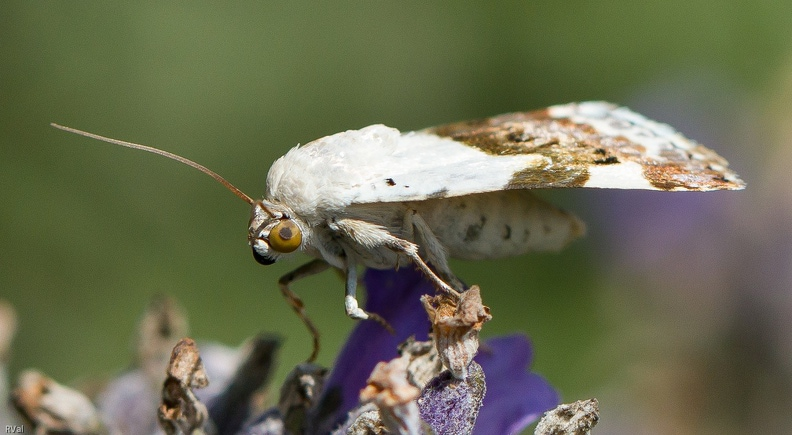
455	327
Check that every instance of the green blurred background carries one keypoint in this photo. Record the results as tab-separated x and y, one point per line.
89	232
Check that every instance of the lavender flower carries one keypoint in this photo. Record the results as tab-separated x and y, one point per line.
394	295
515	397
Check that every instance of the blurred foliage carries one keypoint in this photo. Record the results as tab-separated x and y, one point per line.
90	232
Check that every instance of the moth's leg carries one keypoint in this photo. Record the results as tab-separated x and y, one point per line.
308	269
350	299
435	252
373	236
353	310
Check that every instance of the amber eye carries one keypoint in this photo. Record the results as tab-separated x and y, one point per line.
285	236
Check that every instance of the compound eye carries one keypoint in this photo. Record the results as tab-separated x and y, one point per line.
285	236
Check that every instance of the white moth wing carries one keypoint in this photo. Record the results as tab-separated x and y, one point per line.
592	144
380	164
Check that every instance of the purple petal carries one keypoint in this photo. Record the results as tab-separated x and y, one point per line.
515	397
394	295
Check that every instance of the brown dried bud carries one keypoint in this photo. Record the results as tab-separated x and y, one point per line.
181	411
570	418
389	389
186	365
423	361
51	407
456	325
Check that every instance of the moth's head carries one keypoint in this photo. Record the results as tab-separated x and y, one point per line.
273	232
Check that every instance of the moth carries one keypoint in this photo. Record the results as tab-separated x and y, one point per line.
380	198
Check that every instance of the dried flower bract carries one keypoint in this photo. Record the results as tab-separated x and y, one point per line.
389	389
456	326
181	411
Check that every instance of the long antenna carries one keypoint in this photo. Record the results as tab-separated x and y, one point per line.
172	156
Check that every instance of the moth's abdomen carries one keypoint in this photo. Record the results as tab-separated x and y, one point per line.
498	224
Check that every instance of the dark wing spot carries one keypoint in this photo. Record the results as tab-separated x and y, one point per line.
390	182
472	234
438	194
515	136
474	231
607	160
506	234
